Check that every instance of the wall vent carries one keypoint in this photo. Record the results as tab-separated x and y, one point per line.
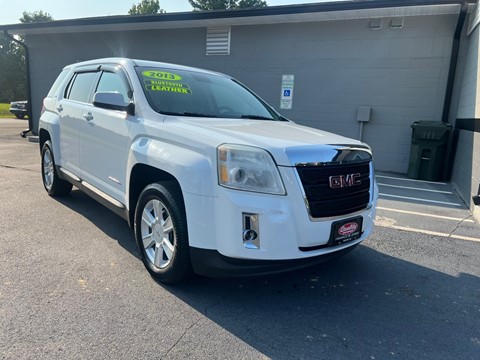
375	24
396	23
218	40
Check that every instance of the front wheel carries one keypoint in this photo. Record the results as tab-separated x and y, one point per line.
51	181
161	233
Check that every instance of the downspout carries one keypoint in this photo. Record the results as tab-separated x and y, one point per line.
447	102
29	90
453	62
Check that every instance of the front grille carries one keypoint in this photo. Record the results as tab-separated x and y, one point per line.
324	201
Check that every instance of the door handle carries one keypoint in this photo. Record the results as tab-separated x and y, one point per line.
88	116
60	108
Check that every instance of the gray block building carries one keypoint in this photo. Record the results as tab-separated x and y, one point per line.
366	69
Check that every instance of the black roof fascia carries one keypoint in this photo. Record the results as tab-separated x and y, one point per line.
238	13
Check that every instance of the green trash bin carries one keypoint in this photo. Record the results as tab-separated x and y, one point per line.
427	152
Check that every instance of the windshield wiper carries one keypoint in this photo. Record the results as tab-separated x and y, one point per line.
255	117
187	113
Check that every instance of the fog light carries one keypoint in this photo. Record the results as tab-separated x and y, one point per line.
250	234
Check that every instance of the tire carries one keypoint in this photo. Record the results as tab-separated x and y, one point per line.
161	233
51	182
20	116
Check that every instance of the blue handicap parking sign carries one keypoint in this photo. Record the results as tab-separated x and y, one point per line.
287	93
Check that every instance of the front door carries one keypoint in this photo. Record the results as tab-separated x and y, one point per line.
104	140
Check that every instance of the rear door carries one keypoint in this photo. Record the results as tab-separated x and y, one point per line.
104	137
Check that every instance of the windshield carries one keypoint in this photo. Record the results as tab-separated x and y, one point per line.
189	93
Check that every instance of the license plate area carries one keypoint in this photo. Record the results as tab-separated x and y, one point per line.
344	231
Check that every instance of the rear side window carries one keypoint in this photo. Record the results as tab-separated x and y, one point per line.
80	87
54	89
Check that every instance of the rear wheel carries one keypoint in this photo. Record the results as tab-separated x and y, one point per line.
52	183
161	233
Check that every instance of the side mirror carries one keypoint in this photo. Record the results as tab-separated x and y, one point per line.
113	101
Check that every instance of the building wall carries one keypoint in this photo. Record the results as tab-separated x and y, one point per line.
466	166
469	99
338	66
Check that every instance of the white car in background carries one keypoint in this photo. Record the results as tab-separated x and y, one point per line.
19	109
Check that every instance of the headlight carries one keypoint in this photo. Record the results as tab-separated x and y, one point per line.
248	168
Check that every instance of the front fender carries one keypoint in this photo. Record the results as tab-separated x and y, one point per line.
194	171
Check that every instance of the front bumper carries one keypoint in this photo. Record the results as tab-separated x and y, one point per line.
213	264
15	111
286	231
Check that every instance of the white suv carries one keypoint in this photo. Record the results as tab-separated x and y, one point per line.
210	177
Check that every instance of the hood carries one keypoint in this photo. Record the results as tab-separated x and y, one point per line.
288	142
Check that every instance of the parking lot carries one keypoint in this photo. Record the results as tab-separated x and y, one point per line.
72	285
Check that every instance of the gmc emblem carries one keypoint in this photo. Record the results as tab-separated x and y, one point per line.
343	181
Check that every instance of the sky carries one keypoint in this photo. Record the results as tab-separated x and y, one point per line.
11	11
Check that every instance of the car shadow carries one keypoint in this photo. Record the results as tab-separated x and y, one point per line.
365	305
104	219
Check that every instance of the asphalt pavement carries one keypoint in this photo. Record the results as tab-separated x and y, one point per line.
72	285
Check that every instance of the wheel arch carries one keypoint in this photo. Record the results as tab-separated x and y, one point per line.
141	176
43	137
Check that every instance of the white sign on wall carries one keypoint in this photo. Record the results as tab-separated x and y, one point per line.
286	98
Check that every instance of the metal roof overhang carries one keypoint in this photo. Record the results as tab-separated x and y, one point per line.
326	11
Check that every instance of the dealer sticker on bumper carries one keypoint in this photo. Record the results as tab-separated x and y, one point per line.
346	230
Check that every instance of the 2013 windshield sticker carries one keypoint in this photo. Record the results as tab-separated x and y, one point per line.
162	75
156	85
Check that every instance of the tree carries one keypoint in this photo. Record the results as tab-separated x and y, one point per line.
12	61
203	5
35	16
146	7
12	71
252	4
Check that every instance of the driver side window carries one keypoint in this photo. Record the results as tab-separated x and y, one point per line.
112	82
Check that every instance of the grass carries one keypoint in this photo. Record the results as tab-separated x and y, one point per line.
4	113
